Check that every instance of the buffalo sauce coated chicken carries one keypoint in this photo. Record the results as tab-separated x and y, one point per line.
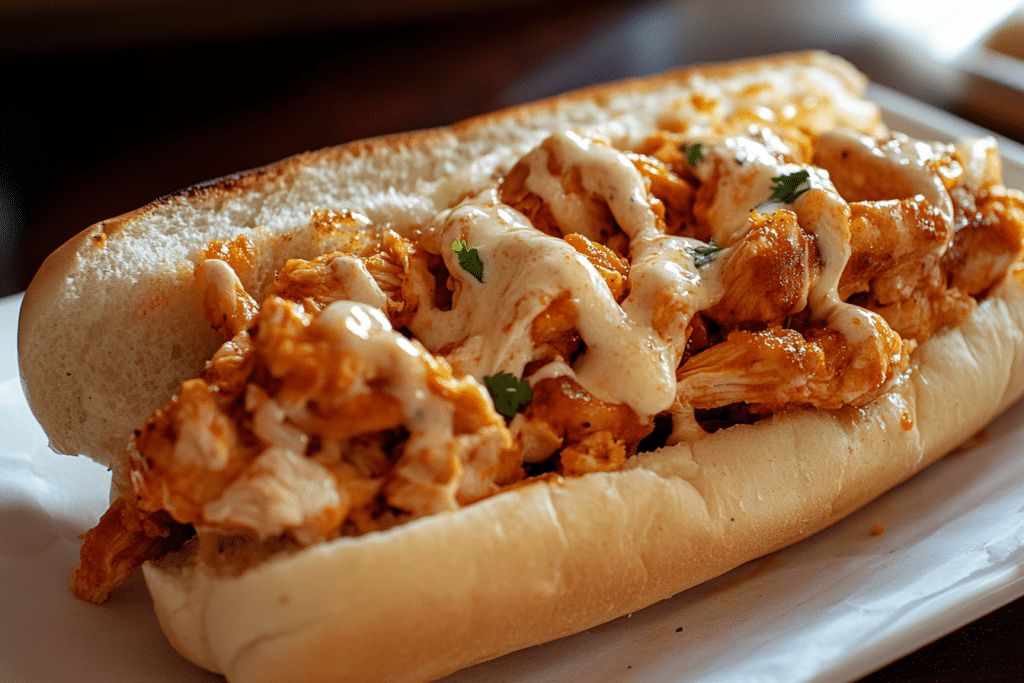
630	298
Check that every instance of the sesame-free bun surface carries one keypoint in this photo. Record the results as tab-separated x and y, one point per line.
528	566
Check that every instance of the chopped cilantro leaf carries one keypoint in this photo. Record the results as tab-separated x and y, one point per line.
704	254
787	187
694	153
508	393
469	259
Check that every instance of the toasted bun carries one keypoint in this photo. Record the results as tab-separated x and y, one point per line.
111	326
542	562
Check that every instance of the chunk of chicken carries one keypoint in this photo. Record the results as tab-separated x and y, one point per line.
612	267
985	248
671	195
375	274
776	368
228	307
768	274
114	549
574	415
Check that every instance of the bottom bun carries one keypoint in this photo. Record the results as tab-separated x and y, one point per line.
546	560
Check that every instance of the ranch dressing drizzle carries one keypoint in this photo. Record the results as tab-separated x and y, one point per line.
604	171
366	332
745	169
824	214
662	272
627	359
909	158
741	170
524	271
359	284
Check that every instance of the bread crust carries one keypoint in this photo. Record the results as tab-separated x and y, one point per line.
523	567
418	602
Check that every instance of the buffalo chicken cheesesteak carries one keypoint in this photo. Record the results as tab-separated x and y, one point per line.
523	375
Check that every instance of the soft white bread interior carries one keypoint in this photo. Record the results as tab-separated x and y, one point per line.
111	323
419	601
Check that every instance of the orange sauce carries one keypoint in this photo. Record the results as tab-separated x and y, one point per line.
237	253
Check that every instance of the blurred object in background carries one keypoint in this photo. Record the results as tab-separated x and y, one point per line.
108	105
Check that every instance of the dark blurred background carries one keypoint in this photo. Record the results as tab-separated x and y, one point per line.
108	105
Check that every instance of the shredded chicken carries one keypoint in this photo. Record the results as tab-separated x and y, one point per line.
574	414
321	416
115	548
612	267
375	273
229	308
776	368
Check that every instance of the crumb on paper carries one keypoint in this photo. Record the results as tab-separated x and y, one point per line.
878	529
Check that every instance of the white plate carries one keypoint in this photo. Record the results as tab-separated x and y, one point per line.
832	608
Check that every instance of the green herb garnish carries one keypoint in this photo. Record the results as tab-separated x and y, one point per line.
508	393
787	187
704	254
469	259
694	153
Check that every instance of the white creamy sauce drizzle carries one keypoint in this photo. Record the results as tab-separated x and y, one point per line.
980	159
525	270
824	214
604	171
359	284
742	170
222	278
366	332
488	328
908	157
224	296
626	359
